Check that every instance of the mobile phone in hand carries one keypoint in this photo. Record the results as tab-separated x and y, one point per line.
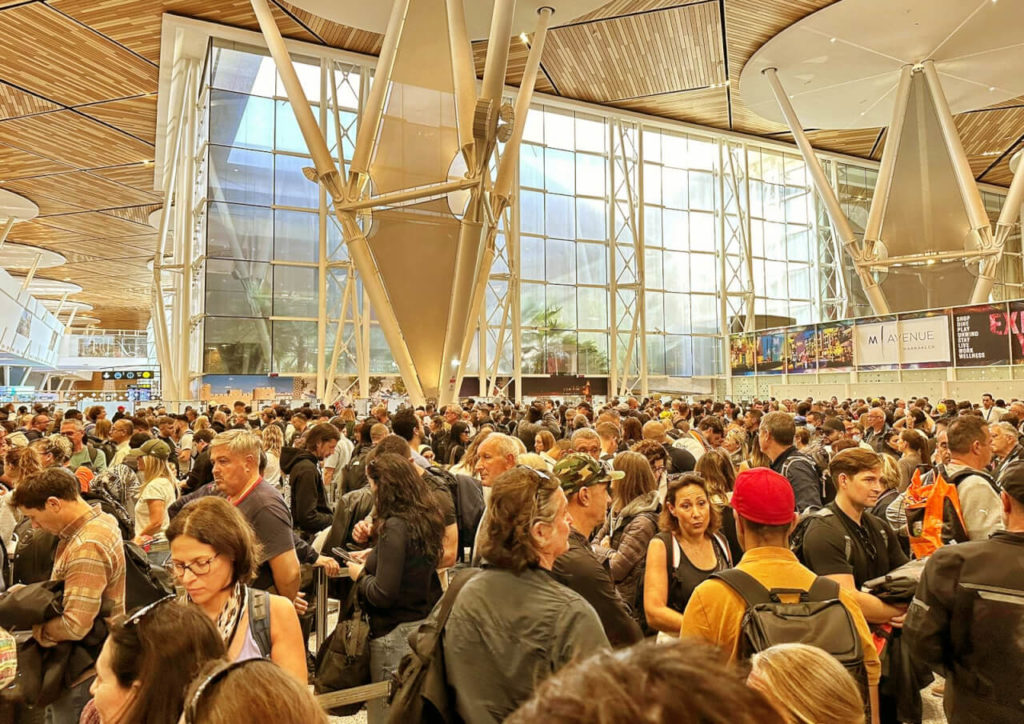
344	555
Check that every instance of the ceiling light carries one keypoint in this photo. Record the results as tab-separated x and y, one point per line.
831	40
525	38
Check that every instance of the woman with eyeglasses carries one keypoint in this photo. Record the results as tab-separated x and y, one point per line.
512	624
249	691
147	663
214	556
398	585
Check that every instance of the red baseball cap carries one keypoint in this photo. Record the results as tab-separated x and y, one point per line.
761	495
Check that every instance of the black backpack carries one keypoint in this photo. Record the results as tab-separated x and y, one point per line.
819	619
353	477
144	583
468	498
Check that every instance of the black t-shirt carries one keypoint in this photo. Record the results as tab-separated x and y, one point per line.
266	511
837	545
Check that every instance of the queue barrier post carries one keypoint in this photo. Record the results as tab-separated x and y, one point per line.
320	591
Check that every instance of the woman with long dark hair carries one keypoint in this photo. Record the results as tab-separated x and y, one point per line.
147	663
398	584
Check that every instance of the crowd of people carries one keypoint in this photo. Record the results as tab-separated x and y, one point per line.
614	555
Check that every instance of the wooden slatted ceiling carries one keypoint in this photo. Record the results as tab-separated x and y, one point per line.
518	52
749	24
136	116
637	55
15	164
83	189
857	142
33	232
338	36
137	175
80	68
71	138
138	214
96	224
706	106
15	102
47	206
135	24
617	8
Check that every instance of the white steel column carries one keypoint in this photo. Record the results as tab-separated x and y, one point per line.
322	381
839	221
508	165
627	267
8	225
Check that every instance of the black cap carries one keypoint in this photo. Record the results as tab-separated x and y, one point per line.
1012	480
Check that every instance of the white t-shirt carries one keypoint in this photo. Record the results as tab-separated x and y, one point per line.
272	472
157	489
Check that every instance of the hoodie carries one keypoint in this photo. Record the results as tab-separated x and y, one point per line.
310	511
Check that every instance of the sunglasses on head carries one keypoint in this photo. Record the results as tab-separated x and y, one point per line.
215	676
142	612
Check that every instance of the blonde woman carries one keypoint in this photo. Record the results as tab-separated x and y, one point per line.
202	423
156	493
806	685
273	441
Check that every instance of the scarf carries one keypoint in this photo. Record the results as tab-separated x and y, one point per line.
231	614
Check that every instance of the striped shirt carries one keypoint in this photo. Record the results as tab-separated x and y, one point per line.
90	561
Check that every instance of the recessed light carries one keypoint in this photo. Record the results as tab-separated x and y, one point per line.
831	40
524	37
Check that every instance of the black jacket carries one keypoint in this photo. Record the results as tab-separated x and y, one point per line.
579	569
201	474
310	511
803	474
965	622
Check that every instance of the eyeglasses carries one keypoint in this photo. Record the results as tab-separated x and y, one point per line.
141	613
216	675
196	568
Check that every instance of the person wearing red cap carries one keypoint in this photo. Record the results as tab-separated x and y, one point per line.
764	505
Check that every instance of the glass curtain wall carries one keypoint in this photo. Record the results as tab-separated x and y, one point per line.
264	221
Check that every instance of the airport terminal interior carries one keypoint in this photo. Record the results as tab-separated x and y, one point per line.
511	360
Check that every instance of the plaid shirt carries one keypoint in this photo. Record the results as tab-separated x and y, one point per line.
90	561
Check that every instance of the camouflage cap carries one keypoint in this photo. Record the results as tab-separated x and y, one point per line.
578	470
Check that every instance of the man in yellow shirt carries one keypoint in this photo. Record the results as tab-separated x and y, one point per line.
764	506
